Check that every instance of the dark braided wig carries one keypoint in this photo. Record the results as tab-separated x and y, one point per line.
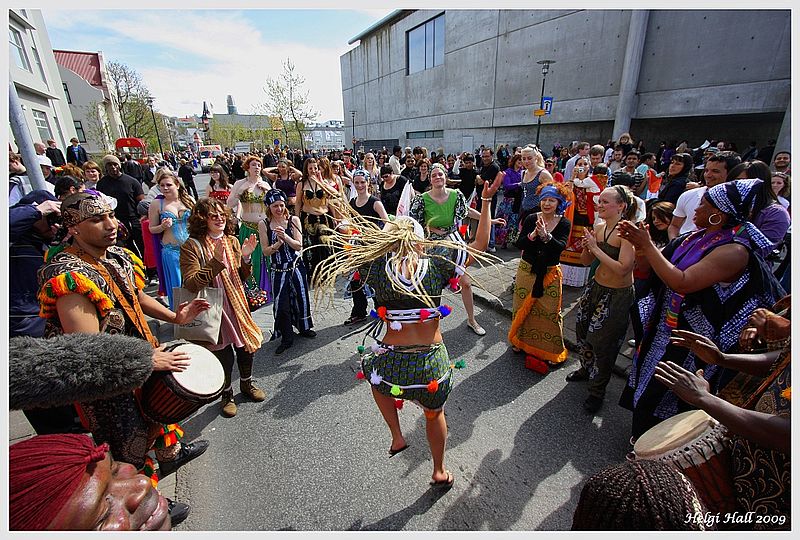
638	495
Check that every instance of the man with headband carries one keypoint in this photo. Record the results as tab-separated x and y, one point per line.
92	286
65	482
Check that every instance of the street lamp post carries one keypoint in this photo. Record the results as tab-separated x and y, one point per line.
545	68
155	125
353	114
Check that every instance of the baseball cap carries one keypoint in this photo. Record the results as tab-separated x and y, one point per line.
44	160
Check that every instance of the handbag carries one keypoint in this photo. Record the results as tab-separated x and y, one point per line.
206	326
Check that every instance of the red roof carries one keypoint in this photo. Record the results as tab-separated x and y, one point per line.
85	64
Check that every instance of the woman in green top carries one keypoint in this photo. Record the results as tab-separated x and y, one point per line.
441	210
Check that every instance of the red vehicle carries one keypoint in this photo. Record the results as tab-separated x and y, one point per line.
134	146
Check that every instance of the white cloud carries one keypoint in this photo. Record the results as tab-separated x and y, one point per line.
234	59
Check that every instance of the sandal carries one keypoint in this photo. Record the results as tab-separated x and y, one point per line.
353	319
447	483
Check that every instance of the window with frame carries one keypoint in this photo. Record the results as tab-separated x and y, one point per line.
66	93
79	131
425	45
434	134
38	61
17	49
42	125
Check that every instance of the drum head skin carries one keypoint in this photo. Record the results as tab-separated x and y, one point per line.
673	433
204	376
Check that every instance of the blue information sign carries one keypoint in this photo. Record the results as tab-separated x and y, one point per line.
547	103
276	142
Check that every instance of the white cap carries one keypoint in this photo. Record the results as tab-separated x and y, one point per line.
44	160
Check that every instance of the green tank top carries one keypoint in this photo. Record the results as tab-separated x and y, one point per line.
440	216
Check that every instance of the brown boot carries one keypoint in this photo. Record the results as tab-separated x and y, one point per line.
228	406
251	390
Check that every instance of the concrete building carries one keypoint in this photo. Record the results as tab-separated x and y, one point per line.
35	74
95	113
460	78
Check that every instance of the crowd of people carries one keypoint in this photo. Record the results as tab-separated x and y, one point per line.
679	243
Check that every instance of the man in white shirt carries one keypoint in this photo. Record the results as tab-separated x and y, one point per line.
394	160
715	172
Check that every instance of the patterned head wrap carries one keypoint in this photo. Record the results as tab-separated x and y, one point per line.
274	195
736	198
82	206
44	472
552	191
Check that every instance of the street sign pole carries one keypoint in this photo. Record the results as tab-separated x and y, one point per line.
545	68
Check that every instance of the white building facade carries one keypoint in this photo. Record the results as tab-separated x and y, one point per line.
35	74
94	111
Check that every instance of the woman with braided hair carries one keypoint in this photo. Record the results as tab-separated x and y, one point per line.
640	495
408	273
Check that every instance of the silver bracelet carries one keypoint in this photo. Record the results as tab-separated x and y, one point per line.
485	199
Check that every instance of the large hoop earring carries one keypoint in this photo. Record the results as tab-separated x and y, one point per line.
718	221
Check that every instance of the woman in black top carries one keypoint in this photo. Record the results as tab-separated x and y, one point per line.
674	183
537	326
422	182
371	208
391	188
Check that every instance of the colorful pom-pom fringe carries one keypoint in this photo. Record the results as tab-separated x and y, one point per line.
398	404
433	386
360	375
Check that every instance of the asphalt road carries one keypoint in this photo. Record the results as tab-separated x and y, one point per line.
313	456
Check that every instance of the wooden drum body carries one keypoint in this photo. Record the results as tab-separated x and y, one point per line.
170	396
695	444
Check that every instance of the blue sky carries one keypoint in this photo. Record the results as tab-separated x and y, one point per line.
189	56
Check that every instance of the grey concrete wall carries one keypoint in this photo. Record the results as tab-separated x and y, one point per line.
726	64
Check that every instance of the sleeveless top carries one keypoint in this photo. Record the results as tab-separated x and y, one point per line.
285	256
288	186
368	210
179	224
530	199
608	249
250	197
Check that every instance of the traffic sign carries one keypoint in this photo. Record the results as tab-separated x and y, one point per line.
539	112
276	142
547	104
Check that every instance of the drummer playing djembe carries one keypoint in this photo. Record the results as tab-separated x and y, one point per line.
92	286
761	429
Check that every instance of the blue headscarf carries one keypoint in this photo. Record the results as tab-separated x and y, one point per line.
552	191
736	198
274	195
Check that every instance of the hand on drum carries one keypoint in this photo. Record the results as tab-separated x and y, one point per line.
688	386
702	347
170	361
187	311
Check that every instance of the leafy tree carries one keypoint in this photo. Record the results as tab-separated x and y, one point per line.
97	127
288	101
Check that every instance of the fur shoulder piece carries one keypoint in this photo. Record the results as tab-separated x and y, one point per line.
75	367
